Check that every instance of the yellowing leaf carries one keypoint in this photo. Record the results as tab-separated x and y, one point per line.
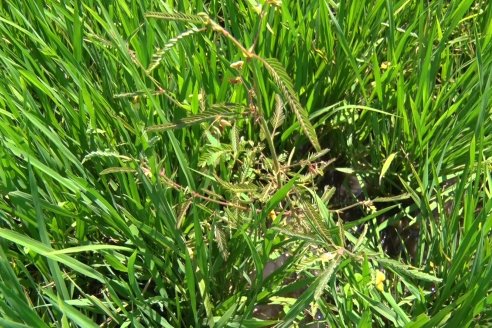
386	166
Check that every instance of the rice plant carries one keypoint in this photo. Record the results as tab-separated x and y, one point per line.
245	163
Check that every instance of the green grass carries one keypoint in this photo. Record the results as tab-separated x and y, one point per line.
158	159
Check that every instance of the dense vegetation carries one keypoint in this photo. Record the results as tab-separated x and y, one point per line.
245	163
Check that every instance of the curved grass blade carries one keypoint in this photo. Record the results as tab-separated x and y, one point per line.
14	298
71	312
386	166
56	273
46	251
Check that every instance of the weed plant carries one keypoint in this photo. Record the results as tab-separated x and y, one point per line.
245	163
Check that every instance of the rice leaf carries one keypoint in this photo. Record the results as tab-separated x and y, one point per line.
46	251
386	166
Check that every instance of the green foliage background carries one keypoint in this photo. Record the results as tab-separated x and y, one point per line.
156	157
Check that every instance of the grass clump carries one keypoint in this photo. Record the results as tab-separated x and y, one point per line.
253	164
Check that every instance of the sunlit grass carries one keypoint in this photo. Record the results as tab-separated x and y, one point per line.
160	163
